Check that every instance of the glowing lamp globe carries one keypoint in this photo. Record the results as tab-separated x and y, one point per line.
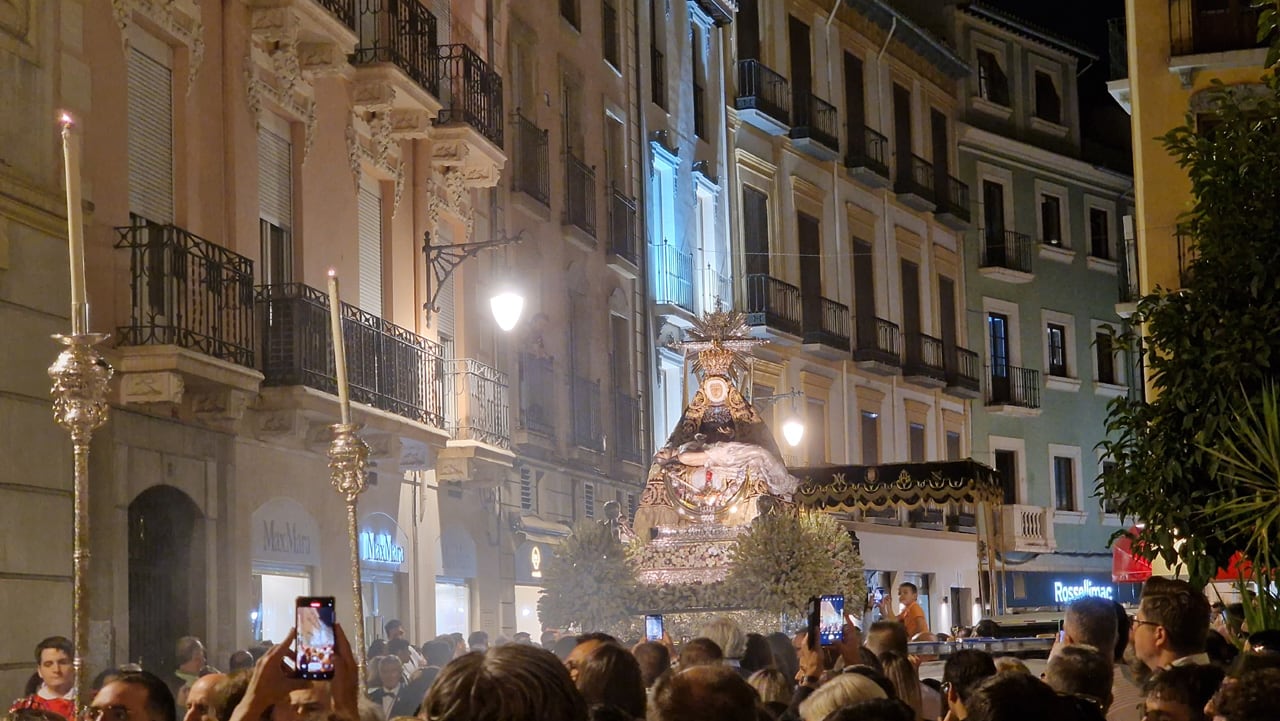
793	431
507	307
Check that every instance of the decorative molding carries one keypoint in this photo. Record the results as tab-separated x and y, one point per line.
156	387
399	192
278	68
450	194
178	20
353	152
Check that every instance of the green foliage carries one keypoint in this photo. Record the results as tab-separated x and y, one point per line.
783	559
1268	24
589	583
1209	347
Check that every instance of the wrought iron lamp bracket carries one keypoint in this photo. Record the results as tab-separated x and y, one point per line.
443	260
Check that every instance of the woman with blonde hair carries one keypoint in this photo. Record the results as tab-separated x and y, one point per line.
905	679
843	690
773	687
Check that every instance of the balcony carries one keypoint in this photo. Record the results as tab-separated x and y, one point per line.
878	346
388	367
774	304
964	374
624	242
717	288
397	47
1026	529
469	133
1128	292
953	204
1013	391
626	428
720	11
580	198
190	320
1006	255
479	410
866	160
672	278
925	364
537	395
815	127
914	184
826	331
531	173
764	98
1118	53
926	518
588	424
343	10
1201	27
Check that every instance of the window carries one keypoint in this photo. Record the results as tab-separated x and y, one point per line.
569	11
870	438
915	436
370	253
571	113
522	69
1105	352
998	329
1064	484
589	500
1048	102
1050	219
993	84
657	67
150	124
954	449
1057	350
275	207
699	87
1108	467
1007	466
632	507
527	491
755	230
1099	233
815	431
609	30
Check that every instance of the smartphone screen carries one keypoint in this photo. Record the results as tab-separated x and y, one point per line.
314	647
653	627
831	619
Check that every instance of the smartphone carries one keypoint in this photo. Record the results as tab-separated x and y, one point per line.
653	627
831	619
314	647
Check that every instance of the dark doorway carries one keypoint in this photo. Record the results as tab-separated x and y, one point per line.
166	576
947	311
748	20
864	294
801	65
755	226
902	130
810	244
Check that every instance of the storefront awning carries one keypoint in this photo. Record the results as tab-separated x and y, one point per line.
1127	566
908	485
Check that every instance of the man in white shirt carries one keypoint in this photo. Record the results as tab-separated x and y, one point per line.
1171	625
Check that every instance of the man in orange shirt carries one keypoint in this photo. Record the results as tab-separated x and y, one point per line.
912	614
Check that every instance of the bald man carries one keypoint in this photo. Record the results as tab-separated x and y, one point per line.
200	698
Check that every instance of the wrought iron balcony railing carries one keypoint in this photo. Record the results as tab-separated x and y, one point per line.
626	427
773	303
760	88
388	367
531	173
1013	386
344	10
580	195
404	33
587	420
964	370
672	276
1213	26
924	356
877	340
188	292
915	176
623	240
831	327
470	91
867	149
953	198
479	409
1006	249
537	394
817	119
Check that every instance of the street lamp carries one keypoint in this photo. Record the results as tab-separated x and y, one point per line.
793	426
442	260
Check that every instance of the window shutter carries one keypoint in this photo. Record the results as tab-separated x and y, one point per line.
370	221
275	179
150	96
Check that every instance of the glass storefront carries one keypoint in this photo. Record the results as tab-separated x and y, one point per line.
285	548
274	596
527	611
453	606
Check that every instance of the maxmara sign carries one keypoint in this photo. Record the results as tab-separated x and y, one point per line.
1065	593
284	533
382	543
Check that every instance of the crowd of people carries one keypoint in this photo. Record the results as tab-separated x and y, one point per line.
1153	666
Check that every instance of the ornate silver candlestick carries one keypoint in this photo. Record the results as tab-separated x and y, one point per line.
347	457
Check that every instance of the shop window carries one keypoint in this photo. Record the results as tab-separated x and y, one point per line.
453	606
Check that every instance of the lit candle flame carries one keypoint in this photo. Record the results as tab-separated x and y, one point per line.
333	272
66	119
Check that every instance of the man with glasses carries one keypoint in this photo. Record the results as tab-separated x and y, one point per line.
134	696
961	674
1171	625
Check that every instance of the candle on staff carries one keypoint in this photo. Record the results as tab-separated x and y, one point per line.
75	225
339	348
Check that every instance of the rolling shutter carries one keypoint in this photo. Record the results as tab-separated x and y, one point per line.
150	97
370	230
275	179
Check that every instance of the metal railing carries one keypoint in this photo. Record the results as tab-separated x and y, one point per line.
1013	386
587	421
717	287
388	367
402	32
579	195
344	10
817	119
188	292
532	172
623	239
470	92
773	303
915	176
831	327
867	149
925	357
537	394
626	427
1006	249
760	88
877	340
673	276
1117	49
953	198
965	370
1199	26
479	408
